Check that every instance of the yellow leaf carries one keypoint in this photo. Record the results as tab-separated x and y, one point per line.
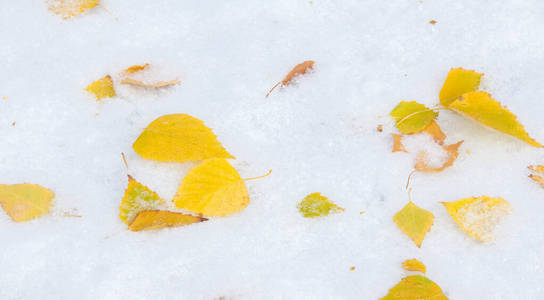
434	130
149	85
412	117
212	188
458	82
538	179
134	69
537	169
481	107
415	287
478	216
397	143
315	205
71	8
178	138
102	88
24	202
157	219
137	198
415	222
453	152
414	265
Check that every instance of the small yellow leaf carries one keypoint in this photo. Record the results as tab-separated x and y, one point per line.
137	198
415	287
414	265
415	222
212	188
134	69
24	202
481	107
478	216
71	8
412	117
538	179
149	85
453	152
315	205
397	143
102	88
178	138
458	82
157	219
434	130
537	169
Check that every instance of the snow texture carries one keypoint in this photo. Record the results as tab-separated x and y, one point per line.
318	135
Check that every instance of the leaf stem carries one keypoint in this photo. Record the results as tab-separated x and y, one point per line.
258	177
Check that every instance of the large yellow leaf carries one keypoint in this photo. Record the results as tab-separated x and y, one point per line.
478	216
412	117
458	82
415	222
481	107
315	205
102	88
24	202
212	188
71	8
414	265
157	219
415	287
179	138
137	198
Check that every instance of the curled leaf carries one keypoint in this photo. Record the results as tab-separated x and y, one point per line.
137	198
453	152
299	69
134	69
315	205
412	117
415	287
71	8
458	82
102	88
538	179
434	130
414	221
24	202
414	265
397	143
149	85
158	219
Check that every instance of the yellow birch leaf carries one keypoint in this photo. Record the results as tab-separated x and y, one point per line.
538	179
414	265
137	198
453	152
212	188
315	205
71	8
179	138
478	216
435	132
397	143
412	117
537	169
481	107
149	85
24	202
134	69
458	82
102	88
414	221
415	287
157	219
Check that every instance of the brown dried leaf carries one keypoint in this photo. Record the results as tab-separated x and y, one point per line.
397	143
434	130
299	69
453	152
134	69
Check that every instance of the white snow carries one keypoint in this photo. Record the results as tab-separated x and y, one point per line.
317	136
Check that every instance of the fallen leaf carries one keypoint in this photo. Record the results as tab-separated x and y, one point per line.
137	198
380	128
414	265
71	8
453	152
24	202
537	169
352	268
149	85
102	88
299	69
134	69
414	221
458	82
434	130
315	205
178	138
538	179
478	216
397	143
415	287
157	219
212	188
432	22
412	117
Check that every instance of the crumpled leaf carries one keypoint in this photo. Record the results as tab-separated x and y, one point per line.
71	8
158	219
414	221
414	265
458	82
178	138
149	85
212	188
24	202
102	88
397	143
481	107
137	198
415	287
478	216
315	205
537	169
299	69
421	161
412	117
134	69
434	130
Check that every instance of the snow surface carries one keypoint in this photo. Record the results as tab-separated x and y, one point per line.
317	136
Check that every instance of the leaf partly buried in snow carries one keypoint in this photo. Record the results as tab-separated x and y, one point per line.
481	107
149	85
414	265
178	138
414	221
299	69
137	198
415	287
157	219
24	202
421	160
397	143
435	132
134	69
102	88
315	205
71	8
458	82
212	188
412	117
478	216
